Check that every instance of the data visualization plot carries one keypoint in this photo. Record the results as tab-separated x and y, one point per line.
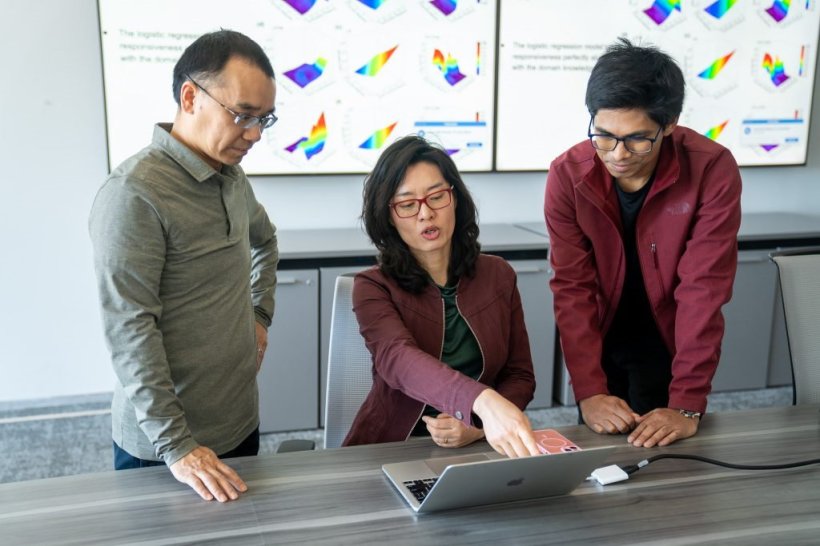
306	10
660	14
777	66
349	73
720	15
713	69
741	60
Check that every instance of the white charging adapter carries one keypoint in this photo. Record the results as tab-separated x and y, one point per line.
609	474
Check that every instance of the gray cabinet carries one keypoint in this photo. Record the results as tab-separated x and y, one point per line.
288	380
536	297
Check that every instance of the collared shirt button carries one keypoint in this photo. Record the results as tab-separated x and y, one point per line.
459	415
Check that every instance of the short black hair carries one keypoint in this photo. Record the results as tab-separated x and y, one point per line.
643	77
395	258
207	56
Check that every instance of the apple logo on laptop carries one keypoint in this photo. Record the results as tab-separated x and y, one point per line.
517	481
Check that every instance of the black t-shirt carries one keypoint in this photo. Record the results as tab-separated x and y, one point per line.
633	331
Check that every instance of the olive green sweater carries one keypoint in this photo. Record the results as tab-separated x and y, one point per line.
186	264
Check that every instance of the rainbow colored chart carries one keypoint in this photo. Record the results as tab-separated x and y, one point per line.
445	6
711	72
377	139
302	6
374	65
802	64
779	9
305	74
660	10
774	66
313	144
448	66
373	4
714	132
719	8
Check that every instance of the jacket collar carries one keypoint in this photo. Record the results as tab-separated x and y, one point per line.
596	182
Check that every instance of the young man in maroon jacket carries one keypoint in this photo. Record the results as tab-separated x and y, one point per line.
643	222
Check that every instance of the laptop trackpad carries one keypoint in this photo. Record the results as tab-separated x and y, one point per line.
438	464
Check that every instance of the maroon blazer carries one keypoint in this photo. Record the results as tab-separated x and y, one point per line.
405	334
686	237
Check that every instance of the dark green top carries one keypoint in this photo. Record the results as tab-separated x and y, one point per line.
460	350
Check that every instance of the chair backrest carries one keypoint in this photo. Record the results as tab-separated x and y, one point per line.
349	366
799	272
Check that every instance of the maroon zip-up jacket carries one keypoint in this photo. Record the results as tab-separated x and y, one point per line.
405	334
686	236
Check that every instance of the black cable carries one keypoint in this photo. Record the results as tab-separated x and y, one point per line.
631	469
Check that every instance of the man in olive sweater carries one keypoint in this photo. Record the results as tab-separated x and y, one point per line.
186	268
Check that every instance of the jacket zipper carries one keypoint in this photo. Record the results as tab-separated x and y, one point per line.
653	248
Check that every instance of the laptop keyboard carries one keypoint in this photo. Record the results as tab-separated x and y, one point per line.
420	488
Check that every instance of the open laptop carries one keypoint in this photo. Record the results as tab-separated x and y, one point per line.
488	478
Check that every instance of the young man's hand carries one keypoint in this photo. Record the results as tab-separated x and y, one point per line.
608	414
661	427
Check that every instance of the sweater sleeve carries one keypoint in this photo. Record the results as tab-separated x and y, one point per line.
129	254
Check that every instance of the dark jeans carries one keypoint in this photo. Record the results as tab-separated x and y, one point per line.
641	378
124	460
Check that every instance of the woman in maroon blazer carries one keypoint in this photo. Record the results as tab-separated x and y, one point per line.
451	357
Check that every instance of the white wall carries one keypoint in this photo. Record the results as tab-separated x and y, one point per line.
52	146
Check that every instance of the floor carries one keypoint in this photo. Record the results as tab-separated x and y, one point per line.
63	436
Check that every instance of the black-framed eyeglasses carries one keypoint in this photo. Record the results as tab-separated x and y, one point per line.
439	199
246	121
634	144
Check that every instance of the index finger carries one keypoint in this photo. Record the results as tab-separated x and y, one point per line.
523	444
231	476
529	443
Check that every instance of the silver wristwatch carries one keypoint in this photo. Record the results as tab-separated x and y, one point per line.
691	414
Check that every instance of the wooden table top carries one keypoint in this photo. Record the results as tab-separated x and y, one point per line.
340	496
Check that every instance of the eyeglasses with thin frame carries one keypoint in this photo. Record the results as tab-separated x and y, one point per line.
245	121
407	208
639	145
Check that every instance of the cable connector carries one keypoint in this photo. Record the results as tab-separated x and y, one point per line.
609	474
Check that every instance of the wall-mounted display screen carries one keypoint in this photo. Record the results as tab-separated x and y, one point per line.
352	75
750	68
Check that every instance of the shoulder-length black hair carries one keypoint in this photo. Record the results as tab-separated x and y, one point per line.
395	258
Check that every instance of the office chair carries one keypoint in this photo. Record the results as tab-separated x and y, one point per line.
349	366
799	272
